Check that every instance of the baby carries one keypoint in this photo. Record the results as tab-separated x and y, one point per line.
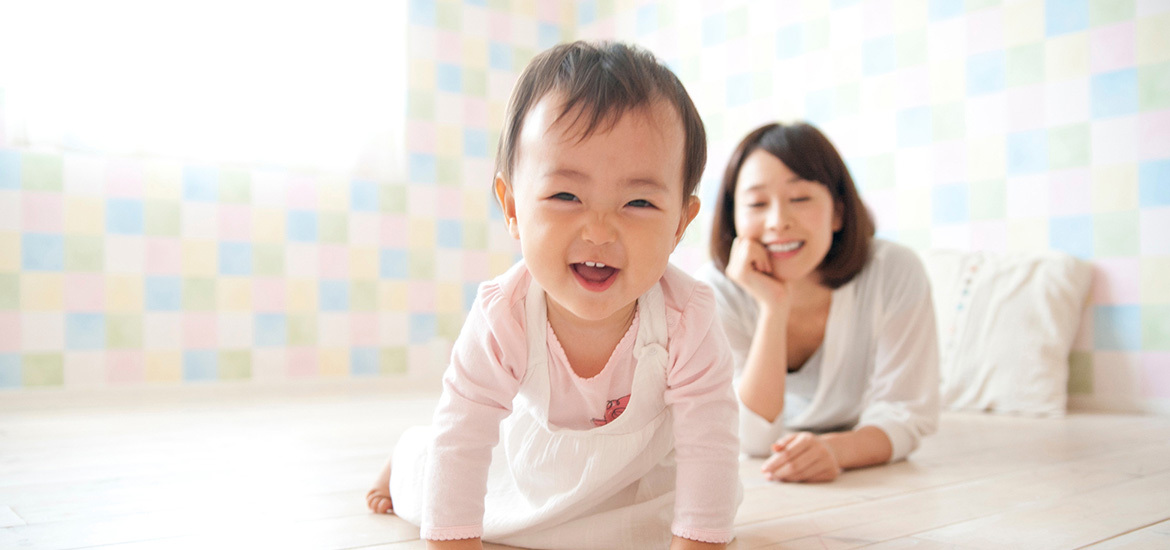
588	403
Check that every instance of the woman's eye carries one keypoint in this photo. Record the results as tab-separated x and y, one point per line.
757	204
641	203
800	199
564	197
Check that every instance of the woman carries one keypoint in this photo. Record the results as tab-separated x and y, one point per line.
833	331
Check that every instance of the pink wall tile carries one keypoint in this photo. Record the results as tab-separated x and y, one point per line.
235	222
1154	134
1156	374
268	294
448	47
421	297
421	137
363	329
500	26
450	202
985	31
950	162
1117	374
549	12
302	193
475	111
43	212
393	232
199	330
124	367
9	331
163	256
989	235
475	265
85	292
334	261
302	362
124	178
1117	281
1071	192
1111	48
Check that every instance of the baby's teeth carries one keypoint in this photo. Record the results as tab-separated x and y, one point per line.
594	264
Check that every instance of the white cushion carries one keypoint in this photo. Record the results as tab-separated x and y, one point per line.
1006	324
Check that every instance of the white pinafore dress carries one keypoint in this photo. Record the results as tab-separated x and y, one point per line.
549	487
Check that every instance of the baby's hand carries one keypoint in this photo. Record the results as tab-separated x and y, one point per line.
801	456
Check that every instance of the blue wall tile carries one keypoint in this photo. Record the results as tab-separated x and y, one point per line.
200	365
500	56
302	226
235	258
945	9
714	29
1027	152
271	330
1115	93
1154	183
163	293
423	327
42	252
475	143
9	170
363	196
449	233
949	203
914	127
789	42
586	12
363	361
647	19
879	56
85	331
986	73
449	78
200	184
423	12
818	106
334	295
393	264
547	35
124	216
739	89
1117	328
10	376
1065	16
423	168
1072	234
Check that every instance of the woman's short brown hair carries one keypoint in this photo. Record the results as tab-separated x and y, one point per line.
603	80
808	153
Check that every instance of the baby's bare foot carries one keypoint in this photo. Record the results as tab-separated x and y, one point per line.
378	499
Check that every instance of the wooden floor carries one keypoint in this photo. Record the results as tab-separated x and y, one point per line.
289	468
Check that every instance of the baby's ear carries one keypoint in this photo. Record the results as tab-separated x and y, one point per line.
507	204
689	211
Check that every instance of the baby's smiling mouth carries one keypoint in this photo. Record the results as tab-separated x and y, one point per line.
595	275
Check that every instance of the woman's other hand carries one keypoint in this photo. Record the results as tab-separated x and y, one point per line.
801	456
750	267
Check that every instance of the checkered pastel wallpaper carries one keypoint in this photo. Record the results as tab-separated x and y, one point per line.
126	270
967	124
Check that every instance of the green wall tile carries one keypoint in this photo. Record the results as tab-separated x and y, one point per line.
363	295
1104	12
949	121
846	99
41	172
879	173
1025	65
268	259
392	199
911	48
420	105
1116	234
475	82
42	369
235	365
816	34
124	331
448	325
9	291
162	218
302	330
422	264
392	360
1080	373
235	186
84	253
450	170
333	227
1154	86
976	5
737	23
522	55
1068	146
988	200
475	235
448	15
198	294
1156	327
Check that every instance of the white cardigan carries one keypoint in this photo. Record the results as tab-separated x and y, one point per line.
877	365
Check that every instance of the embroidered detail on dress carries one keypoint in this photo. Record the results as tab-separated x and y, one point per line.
613	409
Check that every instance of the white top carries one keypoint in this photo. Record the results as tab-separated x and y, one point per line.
877	365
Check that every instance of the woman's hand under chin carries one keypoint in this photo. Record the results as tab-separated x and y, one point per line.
750	267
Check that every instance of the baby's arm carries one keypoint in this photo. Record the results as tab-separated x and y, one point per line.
679	543
705	410
478	389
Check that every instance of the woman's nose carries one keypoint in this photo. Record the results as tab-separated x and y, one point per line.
777	217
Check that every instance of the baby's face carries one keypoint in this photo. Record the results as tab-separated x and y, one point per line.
597	218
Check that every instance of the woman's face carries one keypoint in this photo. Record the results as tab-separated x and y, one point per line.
792	217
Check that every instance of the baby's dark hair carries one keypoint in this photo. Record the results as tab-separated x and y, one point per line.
603	80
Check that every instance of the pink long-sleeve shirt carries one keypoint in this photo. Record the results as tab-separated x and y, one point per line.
489	361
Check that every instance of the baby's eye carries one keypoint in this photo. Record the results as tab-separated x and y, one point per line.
640	203
564	197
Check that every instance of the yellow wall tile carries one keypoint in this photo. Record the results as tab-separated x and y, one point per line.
392	296
164	366
9	252
84	215
302	295
200	258
363	263
124	293
42	291
449	298
234	293
1023	22
422	233
269	226
1115	188
334	362
1066	57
